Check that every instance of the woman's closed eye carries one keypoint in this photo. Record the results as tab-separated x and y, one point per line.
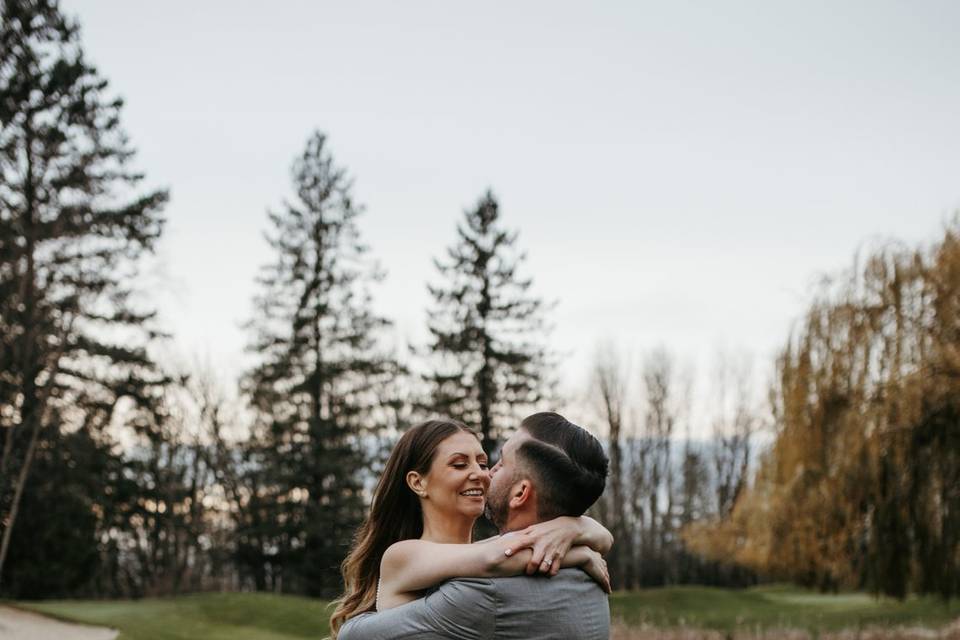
464	465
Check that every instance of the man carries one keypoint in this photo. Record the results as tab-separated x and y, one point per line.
550	467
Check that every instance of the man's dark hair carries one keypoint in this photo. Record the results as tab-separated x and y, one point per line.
567	462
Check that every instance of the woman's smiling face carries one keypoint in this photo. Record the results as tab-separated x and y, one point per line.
459	477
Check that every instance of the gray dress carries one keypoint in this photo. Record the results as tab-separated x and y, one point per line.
567	606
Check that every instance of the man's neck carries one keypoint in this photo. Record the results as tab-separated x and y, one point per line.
518	521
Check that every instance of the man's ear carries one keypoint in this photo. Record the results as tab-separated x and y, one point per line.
522	495
417	483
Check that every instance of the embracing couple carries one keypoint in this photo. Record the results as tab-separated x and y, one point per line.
415	572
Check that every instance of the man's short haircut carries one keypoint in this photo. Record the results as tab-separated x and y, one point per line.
567	462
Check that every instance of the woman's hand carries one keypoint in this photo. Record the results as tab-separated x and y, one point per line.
510	554
551	540
596	568
513	541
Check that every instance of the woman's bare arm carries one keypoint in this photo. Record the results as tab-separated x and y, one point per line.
410	566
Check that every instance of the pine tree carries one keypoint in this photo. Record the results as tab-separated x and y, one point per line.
73	226
490	361
317	387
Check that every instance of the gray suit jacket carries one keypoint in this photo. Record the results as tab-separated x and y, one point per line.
569	605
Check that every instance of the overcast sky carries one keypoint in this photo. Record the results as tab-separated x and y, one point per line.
679	172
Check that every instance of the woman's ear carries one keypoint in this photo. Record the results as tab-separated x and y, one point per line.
417	483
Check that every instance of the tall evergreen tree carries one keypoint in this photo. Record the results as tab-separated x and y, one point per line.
317	387
73	226
487	330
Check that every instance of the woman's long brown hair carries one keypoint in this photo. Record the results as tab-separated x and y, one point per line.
394	515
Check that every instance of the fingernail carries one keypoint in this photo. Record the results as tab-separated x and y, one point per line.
508	552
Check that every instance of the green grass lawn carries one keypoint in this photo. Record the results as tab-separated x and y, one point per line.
774	606
211	616
259	616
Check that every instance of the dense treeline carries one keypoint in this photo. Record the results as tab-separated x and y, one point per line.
118	478
74	222
122	477
861	488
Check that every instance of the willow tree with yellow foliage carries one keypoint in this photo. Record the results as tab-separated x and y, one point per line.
861	486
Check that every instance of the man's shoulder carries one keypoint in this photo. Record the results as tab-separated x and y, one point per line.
566	581
515	595
568	605
480	592
461	609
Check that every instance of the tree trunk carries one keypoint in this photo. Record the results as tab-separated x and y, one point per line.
18	491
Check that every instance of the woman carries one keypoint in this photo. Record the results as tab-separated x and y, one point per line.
419	529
